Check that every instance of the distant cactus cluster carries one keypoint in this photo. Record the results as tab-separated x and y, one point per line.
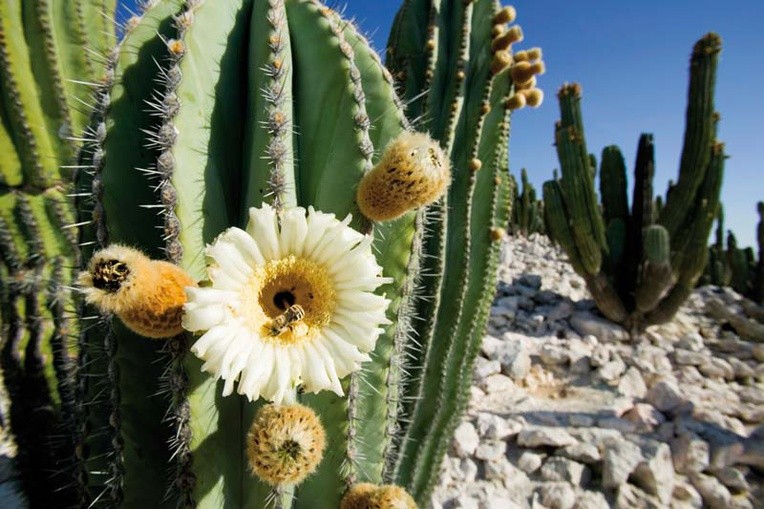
527	209
640	264
736	267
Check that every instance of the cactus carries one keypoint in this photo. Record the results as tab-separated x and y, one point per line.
527	211
206	109
735	267
717	271
639	264
44	45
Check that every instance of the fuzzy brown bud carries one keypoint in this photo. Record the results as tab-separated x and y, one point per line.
414	171
285	444
501	60
506	15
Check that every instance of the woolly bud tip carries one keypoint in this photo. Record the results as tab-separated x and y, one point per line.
498	234
522	72
501	60
475	164
534	97
176	47
570	89
358	496
505	40
147	295
372	496
506	15
515	102
285	444
521	56
414	171
535	54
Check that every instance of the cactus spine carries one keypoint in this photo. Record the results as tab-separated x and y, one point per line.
639	265
206	109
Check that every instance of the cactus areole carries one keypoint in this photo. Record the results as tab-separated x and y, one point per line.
232	179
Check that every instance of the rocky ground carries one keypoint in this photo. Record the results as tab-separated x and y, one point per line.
567	412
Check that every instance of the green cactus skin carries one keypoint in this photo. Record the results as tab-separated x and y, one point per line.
653	258
42	107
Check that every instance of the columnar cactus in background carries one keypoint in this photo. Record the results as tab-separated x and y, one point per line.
527	211
717	270
639	265
44	108
270	114
736	267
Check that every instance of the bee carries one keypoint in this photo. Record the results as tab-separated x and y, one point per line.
291	316
147	295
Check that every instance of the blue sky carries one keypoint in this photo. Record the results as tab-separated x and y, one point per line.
631	59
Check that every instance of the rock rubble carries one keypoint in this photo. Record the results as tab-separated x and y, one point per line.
567	411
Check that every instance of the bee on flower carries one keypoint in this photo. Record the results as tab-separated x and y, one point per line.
291	303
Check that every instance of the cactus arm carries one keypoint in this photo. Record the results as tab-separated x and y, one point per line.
655	275
269	141
579	199
22	102
696	251
699	133
489	206
329	151
558	223
641	216
475	130
615	203
398	247
136	364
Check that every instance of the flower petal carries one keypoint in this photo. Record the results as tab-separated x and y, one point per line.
263	226
294	230
227	252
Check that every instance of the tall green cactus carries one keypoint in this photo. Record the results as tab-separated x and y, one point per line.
208	108
639	265
44	46
527	211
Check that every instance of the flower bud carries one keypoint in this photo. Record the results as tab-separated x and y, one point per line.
285	444
414	171
147	295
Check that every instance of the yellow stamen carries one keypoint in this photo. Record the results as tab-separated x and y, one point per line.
281	284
